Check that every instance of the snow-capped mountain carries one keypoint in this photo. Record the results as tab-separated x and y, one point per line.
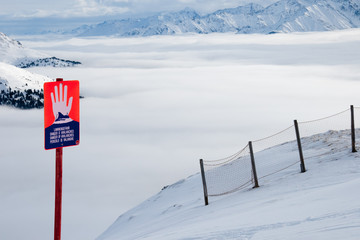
20	79
13	52
317	204
48	61
282	16
21	88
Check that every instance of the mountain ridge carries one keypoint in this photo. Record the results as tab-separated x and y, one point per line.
13	52
21	88
282	16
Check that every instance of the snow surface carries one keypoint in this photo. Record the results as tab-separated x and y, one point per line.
13	52
153	106
20	79
318	204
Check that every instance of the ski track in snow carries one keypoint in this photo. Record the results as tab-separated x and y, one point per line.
249	233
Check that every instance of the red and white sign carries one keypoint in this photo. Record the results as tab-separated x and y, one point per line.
61	114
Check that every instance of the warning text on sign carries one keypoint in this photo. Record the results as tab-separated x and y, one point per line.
61	134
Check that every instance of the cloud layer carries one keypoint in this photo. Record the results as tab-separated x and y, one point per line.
154	106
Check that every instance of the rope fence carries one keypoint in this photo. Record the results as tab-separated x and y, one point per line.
269	160
265	157
230	174
321	130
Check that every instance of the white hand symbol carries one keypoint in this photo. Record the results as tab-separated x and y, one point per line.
59	102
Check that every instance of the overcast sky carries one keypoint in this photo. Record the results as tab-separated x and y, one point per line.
92	8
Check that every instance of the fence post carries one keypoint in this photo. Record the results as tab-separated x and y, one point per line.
204	182
352	129
253	166
302	163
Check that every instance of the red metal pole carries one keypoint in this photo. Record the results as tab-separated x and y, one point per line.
58	194
58	190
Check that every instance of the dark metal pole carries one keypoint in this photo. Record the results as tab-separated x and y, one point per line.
302	163
204	182
253	166
352	129
58	189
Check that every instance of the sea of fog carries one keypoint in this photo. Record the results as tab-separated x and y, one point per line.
153	107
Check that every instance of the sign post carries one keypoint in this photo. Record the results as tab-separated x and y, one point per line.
62	119
58	194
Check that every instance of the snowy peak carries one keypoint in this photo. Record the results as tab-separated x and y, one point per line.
13	52
320	16
250	9
186	13
6	42
282	16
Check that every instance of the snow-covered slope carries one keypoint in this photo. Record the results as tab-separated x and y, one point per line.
13	52
20	88
318	204
282	16
20	79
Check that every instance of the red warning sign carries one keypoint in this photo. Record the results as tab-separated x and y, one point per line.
61	114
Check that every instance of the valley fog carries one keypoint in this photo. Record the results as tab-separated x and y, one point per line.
153	107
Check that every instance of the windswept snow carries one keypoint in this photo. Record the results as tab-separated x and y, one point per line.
318	204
